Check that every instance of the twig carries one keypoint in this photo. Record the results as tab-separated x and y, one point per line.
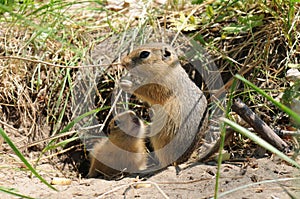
9	126
158	188
48	138
55	154
258	125
113	190
197	180
134	184
289	133
147	182
111	110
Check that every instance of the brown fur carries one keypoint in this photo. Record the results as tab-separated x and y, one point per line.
124	151
180	108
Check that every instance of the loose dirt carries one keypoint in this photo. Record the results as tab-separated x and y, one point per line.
255	178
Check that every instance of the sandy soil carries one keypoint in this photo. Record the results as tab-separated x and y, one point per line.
194	181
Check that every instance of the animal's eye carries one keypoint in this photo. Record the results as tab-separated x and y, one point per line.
144	54
116	122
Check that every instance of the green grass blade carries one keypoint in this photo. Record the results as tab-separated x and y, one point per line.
60	144
76	120
51	145
222	137
9	191
259	141
23	159
60	100
284	108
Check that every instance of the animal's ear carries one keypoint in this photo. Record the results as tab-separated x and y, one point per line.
166	53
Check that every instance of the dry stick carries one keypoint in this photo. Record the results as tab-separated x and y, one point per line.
156	185
47	139
145	183
128	186
197	180
114	190
9	126
289	133
258	125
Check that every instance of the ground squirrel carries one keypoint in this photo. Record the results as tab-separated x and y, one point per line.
123	151
180	108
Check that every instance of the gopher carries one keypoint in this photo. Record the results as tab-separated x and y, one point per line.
123	151
155	76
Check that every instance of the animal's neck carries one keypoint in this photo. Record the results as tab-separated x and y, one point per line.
154	93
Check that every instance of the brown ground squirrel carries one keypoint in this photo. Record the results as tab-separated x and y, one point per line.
180	108
124	151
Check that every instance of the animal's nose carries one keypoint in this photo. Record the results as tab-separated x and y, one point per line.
126	62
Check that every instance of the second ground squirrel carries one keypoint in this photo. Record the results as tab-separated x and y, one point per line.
180	108
123	151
